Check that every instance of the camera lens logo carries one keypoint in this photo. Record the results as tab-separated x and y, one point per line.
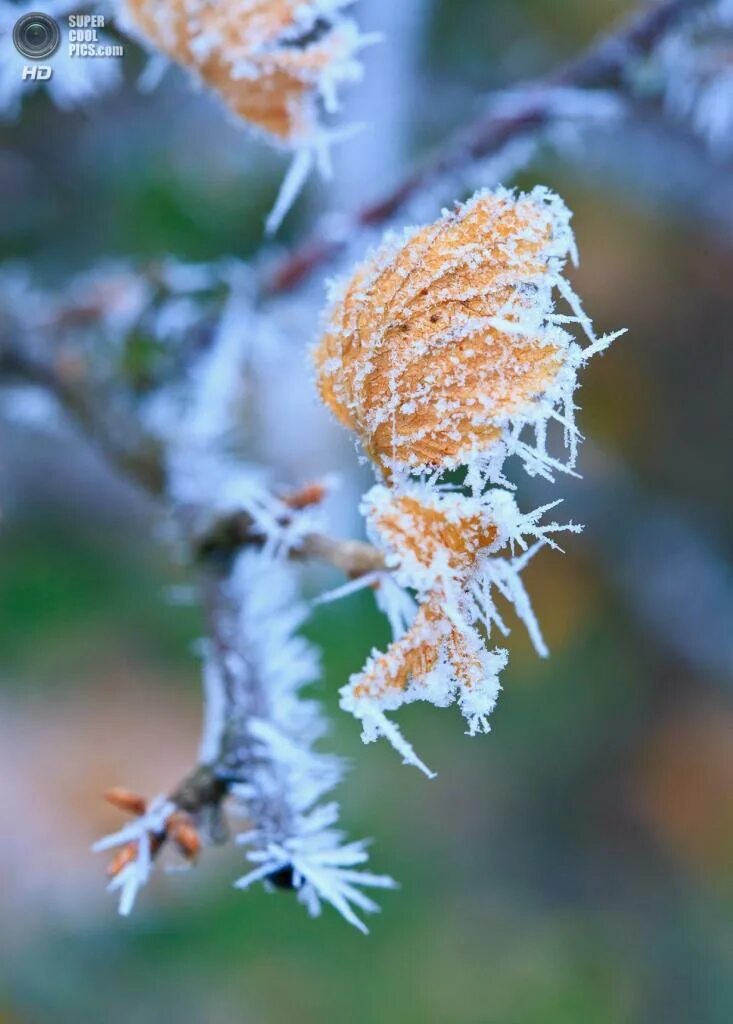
36	36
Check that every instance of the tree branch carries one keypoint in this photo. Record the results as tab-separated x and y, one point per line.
139	457
606	64
64	376
229	535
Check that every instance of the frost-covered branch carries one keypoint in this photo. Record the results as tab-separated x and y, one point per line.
262	732
238	531
34	351
258	751
231	534
28	356
522	113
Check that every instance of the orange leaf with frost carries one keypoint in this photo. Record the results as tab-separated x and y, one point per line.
410	659
265	62
426	530
440	338
436	538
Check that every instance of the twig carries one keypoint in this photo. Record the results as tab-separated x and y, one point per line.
118	436
231	534
139	457
201	788
606	64
353	557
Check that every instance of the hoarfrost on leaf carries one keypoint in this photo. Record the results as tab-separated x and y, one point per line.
277	64
446	353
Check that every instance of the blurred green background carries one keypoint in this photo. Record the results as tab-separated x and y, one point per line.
573	867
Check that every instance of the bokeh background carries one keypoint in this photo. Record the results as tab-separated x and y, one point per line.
576	865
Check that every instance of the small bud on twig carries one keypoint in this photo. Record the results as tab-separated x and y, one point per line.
124	856
304	497
124	800
185	836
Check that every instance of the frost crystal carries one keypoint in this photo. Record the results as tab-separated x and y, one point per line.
443	350
257	745
257	665
137	841
697	63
